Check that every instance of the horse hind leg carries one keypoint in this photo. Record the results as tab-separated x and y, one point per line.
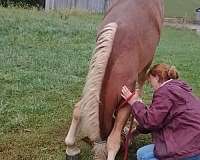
72	150
114	139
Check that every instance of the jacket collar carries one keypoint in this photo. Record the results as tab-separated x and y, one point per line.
165	82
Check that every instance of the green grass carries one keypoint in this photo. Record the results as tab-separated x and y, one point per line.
181	8
43	64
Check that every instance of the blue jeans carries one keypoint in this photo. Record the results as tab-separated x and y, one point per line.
146	153
197	157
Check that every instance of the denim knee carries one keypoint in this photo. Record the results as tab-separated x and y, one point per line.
146	153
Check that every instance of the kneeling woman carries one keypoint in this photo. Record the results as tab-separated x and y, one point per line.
173	117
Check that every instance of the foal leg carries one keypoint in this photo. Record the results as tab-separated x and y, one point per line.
114	139
70	138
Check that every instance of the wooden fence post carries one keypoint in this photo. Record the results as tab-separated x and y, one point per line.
105	5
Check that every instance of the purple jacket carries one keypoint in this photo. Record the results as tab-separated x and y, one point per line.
173	118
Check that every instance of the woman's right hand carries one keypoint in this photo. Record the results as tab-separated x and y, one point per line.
126	94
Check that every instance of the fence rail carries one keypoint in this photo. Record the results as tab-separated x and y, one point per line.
89	5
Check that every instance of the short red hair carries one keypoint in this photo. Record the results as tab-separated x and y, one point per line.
164	72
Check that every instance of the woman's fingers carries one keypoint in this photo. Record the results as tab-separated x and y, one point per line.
125	92
125	89
123	96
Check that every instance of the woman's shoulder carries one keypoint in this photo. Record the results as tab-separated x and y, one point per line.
176	90
174	86
178	85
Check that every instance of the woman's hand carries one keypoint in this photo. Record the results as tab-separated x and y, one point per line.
126	94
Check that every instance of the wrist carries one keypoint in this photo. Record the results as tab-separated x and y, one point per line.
132	101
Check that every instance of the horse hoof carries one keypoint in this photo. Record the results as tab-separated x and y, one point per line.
72	153
74	157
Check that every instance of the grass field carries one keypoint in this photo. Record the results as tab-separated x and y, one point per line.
43	64
181	8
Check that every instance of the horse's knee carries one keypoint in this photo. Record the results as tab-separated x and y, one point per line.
76	114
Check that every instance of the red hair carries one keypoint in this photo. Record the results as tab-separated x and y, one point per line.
164	72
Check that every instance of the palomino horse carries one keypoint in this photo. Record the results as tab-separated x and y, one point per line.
126	42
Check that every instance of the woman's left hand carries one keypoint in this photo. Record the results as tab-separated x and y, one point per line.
126	94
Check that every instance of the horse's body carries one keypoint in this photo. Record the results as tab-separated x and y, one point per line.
126	43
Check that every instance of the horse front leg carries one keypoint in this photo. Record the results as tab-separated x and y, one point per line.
72	150
114	139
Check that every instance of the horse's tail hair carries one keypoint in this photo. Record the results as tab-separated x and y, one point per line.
89	125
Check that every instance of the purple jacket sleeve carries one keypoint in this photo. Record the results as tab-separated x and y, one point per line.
152	117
